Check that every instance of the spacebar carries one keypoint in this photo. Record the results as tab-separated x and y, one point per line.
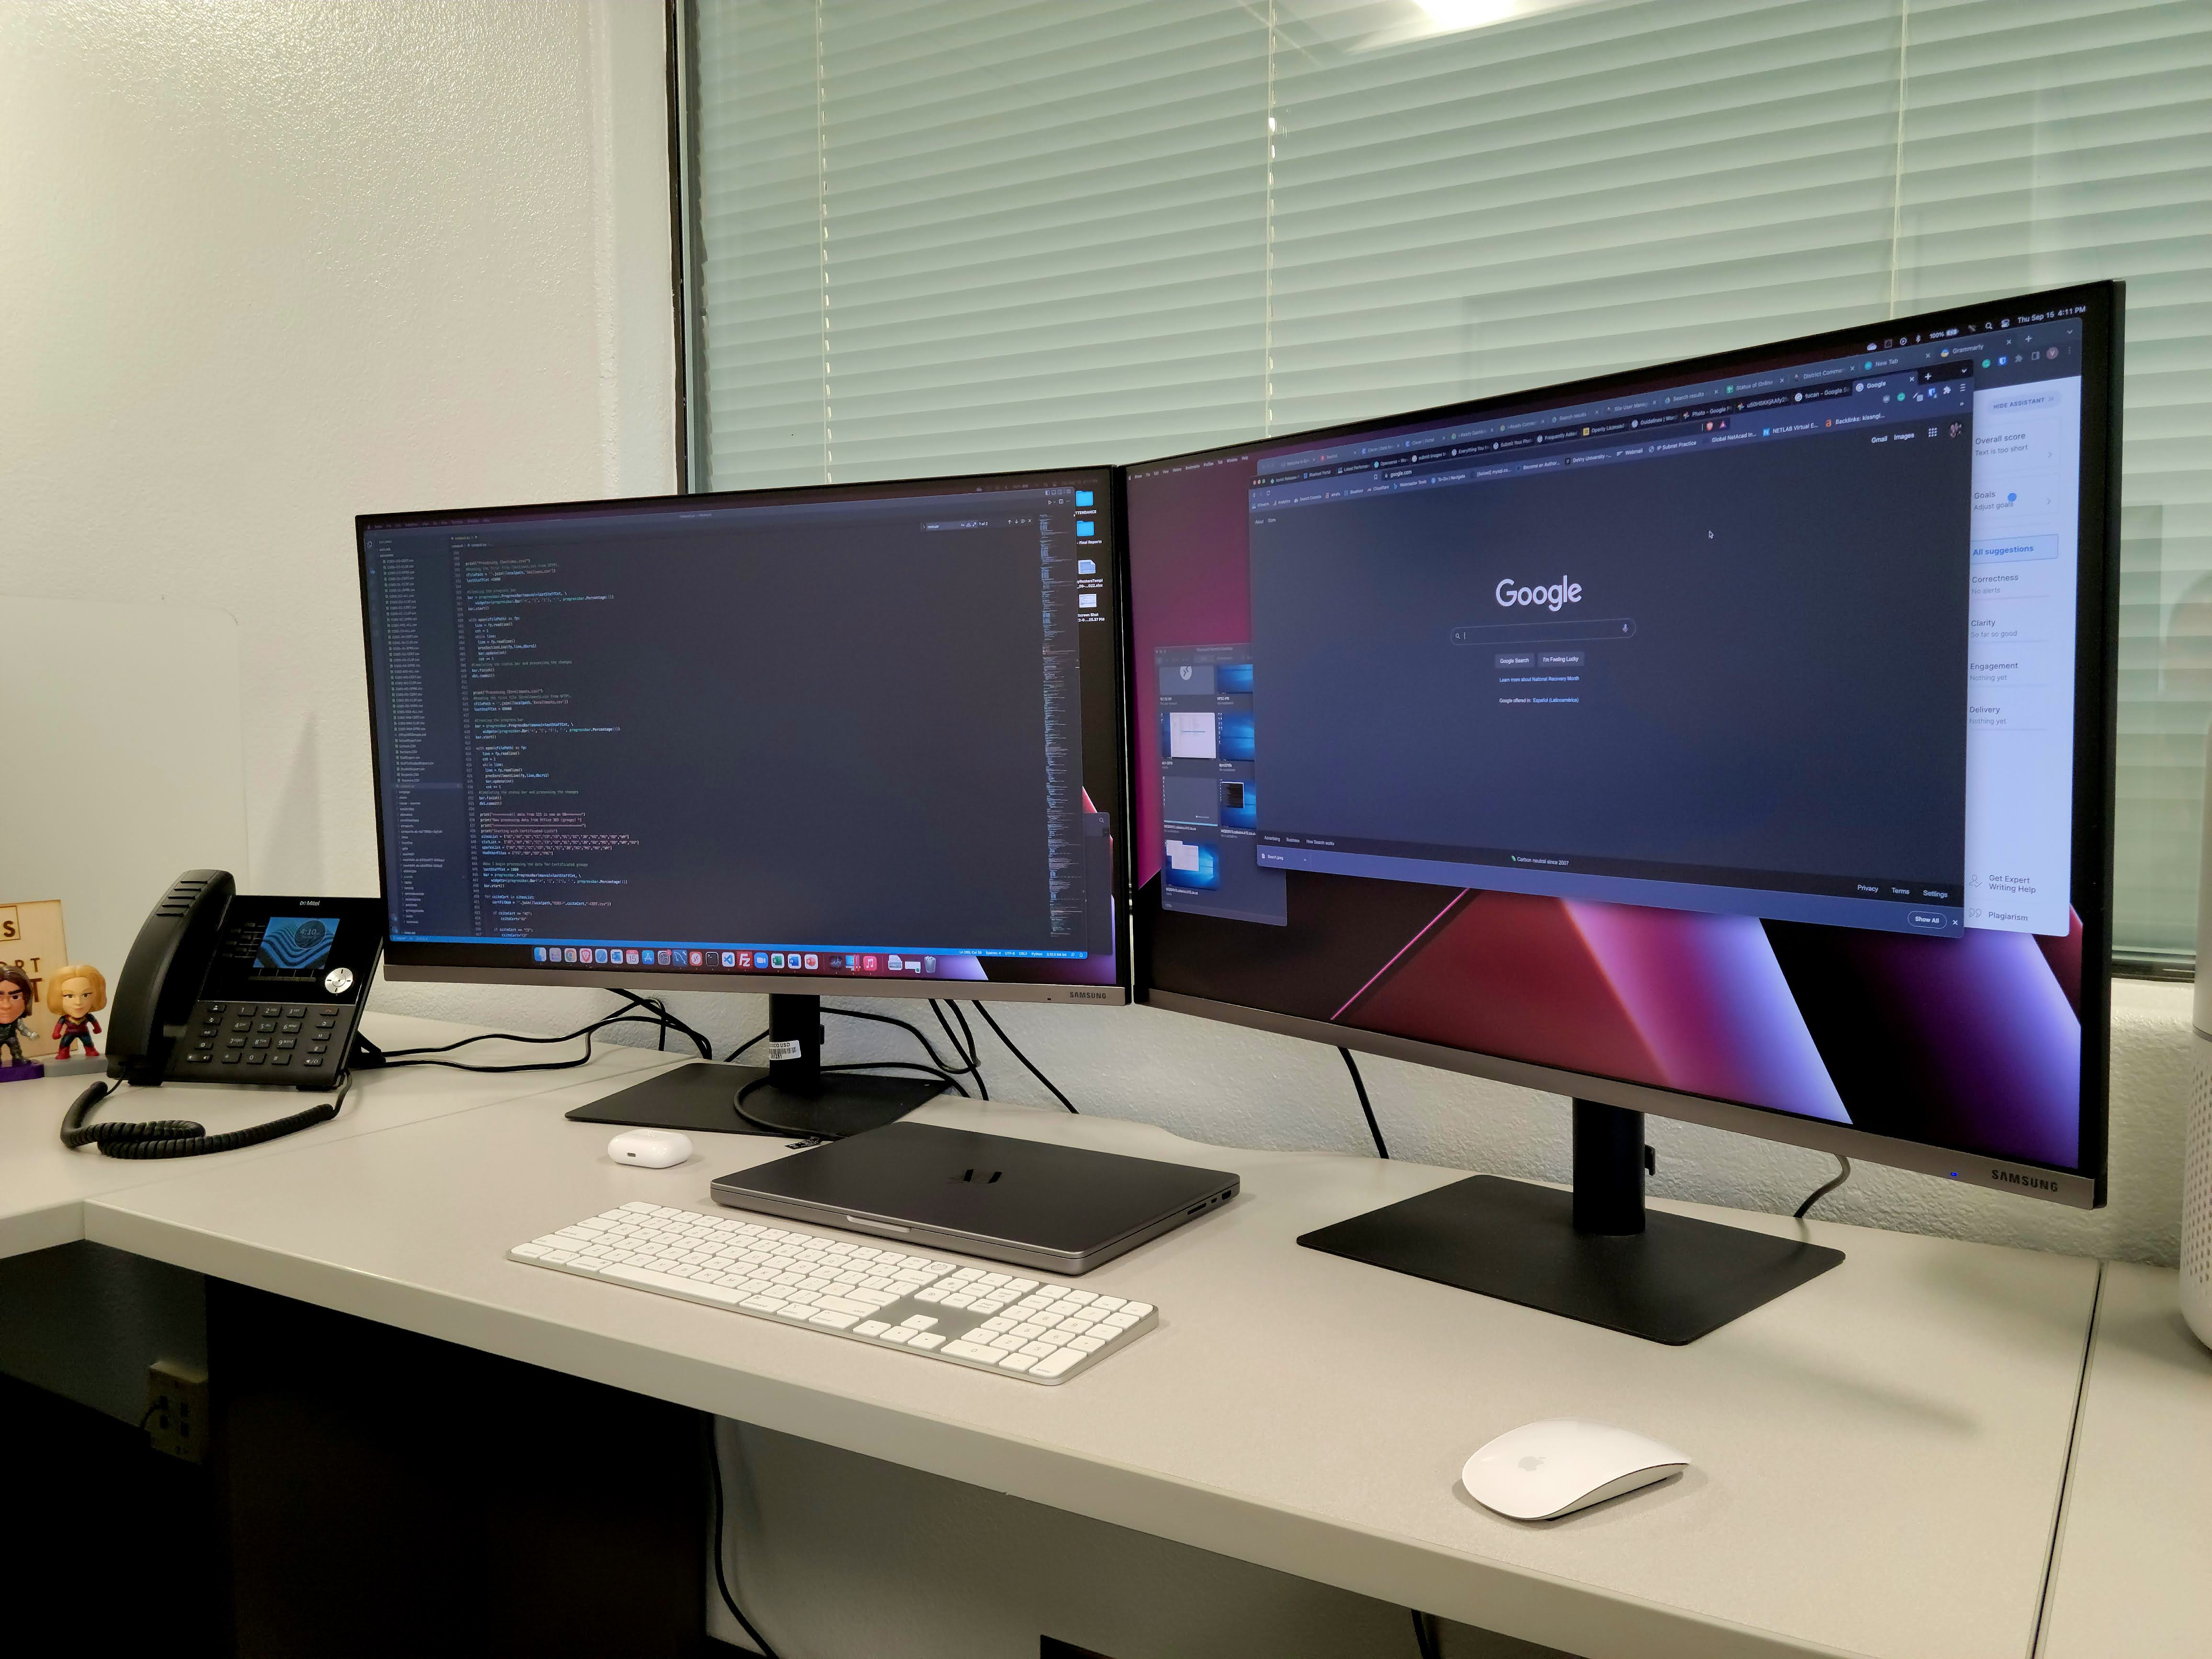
668	1285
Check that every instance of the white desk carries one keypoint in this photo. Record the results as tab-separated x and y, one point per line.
43	1184
2130	1575
1878	1453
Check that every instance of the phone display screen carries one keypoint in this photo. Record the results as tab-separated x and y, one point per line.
293	947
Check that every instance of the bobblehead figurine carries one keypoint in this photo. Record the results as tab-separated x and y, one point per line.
15	997
76	994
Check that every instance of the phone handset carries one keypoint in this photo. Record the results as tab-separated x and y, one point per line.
163	974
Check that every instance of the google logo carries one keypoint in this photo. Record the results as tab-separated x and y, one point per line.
1560	592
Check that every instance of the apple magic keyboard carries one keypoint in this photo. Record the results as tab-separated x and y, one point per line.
1014	1326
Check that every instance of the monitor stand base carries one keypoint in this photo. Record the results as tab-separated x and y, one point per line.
1671	1279
701	1098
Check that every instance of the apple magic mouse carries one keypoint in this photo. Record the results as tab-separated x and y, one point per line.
1543	1470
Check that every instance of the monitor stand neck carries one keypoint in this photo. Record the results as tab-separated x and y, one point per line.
1610	1161
795	1096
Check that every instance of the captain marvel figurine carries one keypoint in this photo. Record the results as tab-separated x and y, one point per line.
76	994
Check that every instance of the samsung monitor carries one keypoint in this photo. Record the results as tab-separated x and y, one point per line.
1730	740
861	740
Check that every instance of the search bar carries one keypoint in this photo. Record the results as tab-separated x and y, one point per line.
1528	633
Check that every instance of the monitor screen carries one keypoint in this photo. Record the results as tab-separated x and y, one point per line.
838	739
1729	735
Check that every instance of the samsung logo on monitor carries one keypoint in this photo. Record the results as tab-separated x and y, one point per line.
2011	1178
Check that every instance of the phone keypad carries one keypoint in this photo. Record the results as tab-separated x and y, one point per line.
226	1041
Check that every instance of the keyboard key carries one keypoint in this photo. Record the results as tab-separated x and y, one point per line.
1058	1364
967	1350
872	1327
836	1321
1017	1362
667	1285
925	1339
919	1322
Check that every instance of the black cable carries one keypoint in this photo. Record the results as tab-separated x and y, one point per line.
902	1065
1360	1083
669	1022
966	1049
180	1137
426	1056
1843	1174
742	1046
950	1081
1426	1636
912	1031
974	1054
655	1014
721	1577
1023	1058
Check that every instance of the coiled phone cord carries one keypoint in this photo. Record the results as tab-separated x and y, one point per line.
179	1137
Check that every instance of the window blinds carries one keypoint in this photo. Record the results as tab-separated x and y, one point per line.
945	235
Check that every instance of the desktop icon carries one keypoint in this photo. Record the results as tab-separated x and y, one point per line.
1087	601
1083	498
895	965
598	953
929	964
1086	528
630	958
812	960
697	959
729	959
537	953
867	964
1086	567
744	958
775	959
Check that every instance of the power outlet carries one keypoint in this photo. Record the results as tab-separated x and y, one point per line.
177	1409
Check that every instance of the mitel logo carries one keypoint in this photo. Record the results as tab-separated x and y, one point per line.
2039	1183
1560	592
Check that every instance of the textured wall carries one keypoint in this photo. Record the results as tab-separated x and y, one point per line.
264	266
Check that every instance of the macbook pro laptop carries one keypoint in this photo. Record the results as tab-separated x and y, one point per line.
1057	1209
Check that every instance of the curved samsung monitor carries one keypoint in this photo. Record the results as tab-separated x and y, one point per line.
1730	740
862	740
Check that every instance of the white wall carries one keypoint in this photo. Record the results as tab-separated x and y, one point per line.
266	265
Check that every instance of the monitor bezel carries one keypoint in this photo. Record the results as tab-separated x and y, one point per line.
2096	703
406	962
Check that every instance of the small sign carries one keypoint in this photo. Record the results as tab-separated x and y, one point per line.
31	938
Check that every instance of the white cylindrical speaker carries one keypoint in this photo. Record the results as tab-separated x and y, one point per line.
2196	1155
